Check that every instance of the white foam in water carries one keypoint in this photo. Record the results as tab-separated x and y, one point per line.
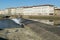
16	20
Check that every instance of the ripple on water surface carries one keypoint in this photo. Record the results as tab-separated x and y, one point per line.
7	23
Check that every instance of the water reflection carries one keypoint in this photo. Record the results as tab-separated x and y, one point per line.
48	21
10	23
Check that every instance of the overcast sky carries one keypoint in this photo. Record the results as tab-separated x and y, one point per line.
17	3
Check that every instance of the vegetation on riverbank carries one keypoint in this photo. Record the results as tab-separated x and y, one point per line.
34	17
44	17
1	16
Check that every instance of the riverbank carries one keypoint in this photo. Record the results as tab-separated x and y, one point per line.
32	17
19	34
44	17
46	32
33	30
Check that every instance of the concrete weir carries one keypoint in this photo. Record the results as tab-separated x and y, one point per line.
43	31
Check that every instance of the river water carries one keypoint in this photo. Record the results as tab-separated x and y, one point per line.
15	23
49	21
10	23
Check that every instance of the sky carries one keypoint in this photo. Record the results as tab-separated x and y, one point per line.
17	3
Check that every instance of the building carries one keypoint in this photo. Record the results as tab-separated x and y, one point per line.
7	11
19	11
39	10
10	11
57	11
2	12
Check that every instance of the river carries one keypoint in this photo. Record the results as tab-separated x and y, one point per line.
48	21
10	23
15	23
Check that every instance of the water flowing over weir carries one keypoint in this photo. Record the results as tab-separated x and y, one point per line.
10	23
17	20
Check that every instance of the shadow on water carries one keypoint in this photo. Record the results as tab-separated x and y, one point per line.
3	38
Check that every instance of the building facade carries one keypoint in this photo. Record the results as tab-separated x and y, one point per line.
10	11
2	12
57	11
40	10
19	11
7	11
13	11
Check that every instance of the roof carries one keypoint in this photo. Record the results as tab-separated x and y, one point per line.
38	6
11	8
35	6
45	5
57	8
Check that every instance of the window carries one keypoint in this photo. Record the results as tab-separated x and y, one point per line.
51	14
50	20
